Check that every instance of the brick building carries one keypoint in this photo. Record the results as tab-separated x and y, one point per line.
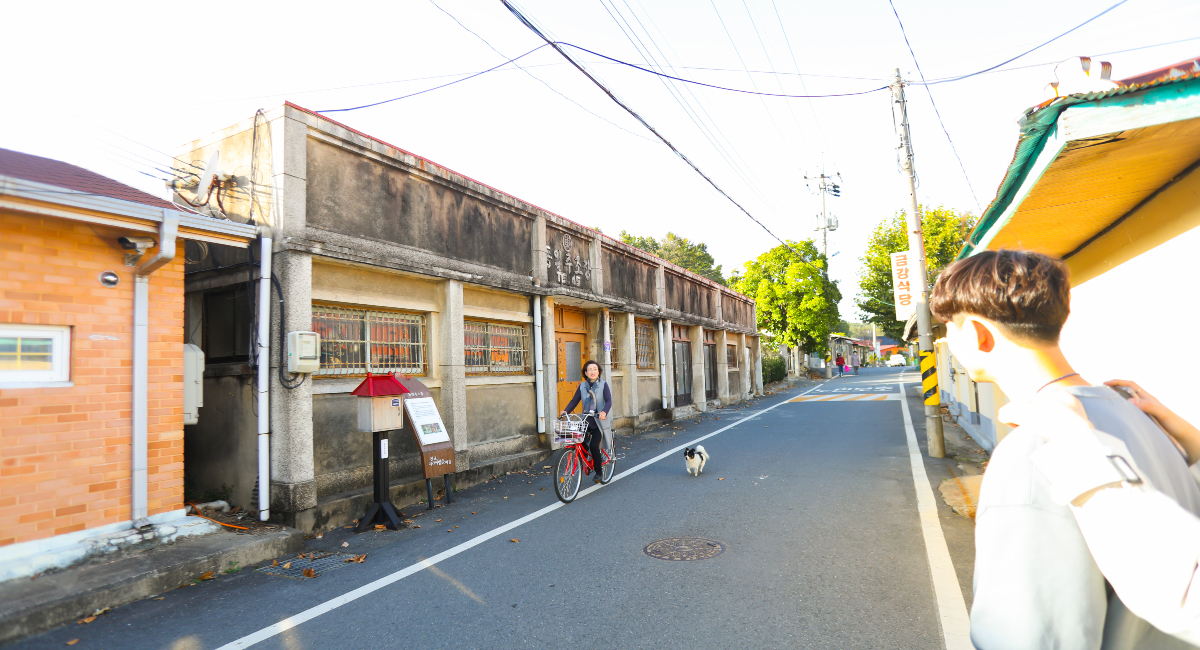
91	428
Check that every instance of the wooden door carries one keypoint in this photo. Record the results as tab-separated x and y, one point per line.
570	336
570	363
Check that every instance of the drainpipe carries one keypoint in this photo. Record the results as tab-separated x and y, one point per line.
141	361
662	364
538	364
264	375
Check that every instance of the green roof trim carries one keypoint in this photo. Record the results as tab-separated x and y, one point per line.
1039	126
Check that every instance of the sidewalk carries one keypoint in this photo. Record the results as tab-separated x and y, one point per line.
29	606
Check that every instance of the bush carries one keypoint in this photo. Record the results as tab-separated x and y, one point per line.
773	369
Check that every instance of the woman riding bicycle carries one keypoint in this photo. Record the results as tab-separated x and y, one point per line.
597	398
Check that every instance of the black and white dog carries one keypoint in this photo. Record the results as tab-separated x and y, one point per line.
695	459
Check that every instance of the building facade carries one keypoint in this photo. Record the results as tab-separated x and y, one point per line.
91	356
402	265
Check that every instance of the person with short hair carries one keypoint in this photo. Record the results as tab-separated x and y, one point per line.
1036	584
855	361
596	396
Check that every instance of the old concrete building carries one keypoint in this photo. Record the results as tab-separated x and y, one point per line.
402	265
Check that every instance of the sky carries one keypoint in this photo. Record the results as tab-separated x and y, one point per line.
115	87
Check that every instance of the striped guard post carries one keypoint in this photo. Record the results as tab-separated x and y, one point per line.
929	381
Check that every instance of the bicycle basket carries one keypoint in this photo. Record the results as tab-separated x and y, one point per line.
569	431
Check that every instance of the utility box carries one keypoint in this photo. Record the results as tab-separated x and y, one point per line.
380	405
193	383
303	352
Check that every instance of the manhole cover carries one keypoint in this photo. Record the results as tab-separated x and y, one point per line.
678	549
320	564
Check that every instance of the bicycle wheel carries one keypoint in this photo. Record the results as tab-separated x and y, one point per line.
568	476
608	469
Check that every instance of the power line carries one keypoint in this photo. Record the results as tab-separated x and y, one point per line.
771	65
811	108
535	78
558	47
422	92
1036	47
935	108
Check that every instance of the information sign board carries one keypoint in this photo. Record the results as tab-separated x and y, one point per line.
426	421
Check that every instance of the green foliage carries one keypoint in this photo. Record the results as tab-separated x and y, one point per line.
681	251
773	369
945	233
795	303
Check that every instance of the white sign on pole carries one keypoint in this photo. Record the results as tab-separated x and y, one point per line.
425	420
906	301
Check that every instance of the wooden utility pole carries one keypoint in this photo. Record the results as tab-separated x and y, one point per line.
916	246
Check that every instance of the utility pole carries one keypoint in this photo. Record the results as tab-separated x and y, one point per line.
826	186
916	246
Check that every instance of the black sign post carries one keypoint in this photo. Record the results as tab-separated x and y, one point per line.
382	511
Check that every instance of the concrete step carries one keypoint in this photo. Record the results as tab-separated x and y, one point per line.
32	606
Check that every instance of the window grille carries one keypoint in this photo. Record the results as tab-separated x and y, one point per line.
496	349
357	341
612	337
645	345
731	356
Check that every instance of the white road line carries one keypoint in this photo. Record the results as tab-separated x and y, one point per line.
350	596
952	608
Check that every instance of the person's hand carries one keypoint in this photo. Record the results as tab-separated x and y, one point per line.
563	414
603	415
1183	432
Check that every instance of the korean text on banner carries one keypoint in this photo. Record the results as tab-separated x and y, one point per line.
902	268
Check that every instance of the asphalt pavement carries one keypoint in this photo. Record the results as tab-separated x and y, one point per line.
812	503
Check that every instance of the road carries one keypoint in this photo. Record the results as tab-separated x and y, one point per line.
813	502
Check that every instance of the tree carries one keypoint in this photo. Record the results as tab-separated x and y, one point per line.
945	233
796	305
680	251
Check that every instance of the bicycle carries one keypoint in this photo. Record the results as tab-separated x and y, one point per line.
575	459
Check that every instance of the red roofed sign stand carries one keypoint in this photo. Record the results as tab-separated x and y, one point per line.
383	400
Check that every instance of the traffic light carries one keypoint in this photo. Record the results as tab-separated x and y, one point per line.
837	190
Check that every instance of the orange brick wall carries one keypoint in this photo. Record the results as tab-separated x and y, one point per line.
65	453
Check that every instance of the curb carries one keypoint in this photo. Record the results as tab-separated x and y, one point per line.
28	607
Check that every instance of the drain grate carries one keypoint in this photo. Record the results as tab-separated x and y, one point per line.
321	564
681	549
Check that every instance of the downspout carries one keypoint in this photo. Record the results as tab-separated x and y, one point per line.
141	362
264	375
538	364
662	364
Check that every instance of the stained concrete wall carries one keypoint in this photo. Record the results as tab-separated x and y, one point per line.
501	411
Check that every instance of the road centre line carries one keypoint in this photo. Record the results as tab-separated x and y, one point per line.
350	596
952	608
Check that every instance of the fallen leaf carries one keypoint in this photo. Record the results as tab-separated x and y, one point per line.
543	488
456	526
380	527
288	565
87	620
474	513
274	562
320	536
514	540
545	467
720	479
449	531
505	497
437	519
160	598
101	611
207	576
72	641
309	573
347	527
345	544
531	494
416	526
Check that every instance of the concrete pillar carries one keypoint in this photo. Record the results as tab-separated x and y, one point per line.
293	489
625	338
594	262
541	258
745	377
550	368
696	334
669	358
723	368
756	351
452	369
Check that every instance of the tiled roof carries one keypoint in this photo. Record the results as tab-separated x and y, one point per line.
65	175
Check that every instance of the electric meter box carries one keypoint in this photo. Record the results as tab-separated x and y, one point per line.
303	352
193	383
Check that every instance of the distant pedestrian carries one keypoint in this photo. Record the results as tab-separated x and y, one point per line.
841	364
855	361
